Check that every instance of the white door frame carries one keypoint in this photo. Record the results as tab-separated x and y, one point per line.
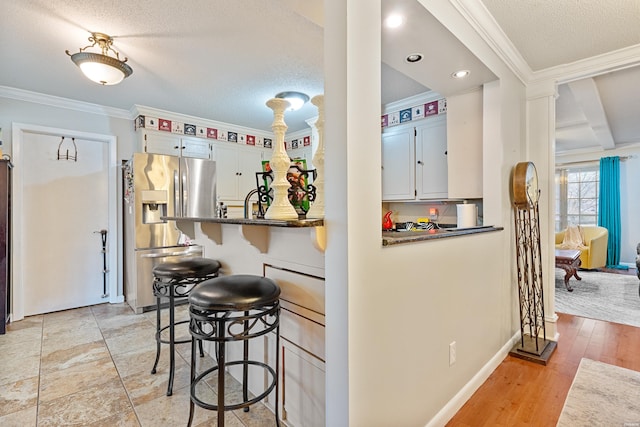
17	260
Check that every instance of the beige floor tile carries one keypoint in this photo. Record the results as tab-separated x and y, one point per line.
21	349
23	418
94	362
85	407
18	396
105	311
174	411
28	329
126	419
139	360
77	378
19	369
84	332
67	357
68	315
122	324
139	337
143	386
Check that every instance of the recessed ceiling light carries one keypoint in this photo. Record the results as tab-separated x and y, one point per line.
414	57
394	21
460	74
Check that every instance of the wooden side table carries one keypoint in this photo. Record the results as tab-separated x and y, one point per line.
569	261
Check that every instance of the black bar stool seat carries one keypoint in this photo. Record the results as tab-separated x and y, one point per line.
234	308
174	281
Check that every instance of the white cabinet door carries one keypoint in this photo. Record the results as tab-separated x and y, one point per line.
175	145
195	147
398	170
236	168
249	162
431	159
161	143
226	158
302	387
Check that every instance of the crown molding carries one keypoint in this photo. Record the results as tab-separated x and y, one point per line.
611	61
59	102
477	15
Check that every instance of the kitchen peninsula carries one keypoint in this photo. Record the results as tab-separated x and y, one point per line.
291	253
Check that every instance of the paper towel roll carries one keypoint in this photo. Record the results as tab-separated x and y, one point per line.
467	215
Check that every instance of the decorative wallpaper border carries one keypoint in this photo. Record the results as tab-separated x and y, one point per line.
172	126
421	111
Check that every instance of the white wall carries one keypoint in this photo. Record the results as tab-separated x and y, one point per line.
405	304
33	113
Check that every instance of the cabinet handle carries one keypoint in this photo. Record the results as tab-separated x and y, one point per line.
420	162
176	147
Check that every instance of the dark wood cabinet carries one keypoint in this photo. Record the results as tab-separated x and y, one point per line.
5	242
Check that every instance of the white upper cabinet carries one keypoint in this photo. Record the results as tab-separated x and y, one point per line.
236	168
175	145
414	161
398	159
431	159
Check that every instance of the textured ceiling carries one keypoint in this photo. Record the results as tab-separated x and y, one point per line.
553	32
222	60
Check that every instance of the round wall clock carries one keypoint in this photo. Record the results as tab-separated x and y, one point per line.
525	189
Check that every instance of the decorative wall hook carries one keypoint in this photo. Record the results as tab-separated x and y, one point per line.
66	155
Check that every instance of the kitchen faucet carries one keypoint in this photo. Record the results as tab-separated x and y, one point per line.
246	202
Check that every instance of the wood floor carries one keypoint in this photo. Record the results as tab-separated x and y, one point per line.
521	393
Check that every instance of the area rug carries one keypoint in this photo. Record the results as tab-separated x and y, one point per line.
603	296
602	395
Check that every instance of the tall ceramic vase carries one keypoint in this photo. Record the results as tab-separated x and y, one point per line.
317	209
280	207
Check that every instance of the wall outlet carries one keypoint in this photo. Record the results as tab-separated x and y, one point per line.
452	353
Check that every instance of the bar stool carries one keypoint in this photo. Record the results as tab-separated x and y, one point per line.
234	308
174	281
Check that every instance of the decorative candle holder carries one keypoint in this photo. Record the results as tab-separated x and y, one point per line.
317	209
280	207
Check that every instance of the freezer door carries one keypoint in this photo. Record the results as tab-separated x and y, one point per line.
142	299
155	192
198	187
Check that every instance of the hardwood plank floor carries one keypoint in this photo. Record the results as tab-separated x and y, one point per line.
521	393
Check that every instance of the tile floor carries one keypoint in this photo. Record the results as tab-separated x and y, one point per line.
91	367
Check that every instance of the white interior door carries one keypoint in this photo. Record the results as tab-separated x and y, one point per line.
65	204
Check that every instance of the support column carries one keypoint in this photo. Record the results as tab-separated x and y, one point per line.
540	149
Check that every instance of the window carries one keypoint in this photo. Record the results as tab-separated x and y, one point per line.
577	191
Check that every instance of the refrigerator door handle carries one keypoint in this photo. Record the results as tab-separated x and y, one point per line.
185	195
176	194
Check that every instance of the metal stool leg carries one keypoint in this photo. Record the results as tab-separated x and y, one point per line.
155	364
172	339
245	365
221	367
193	377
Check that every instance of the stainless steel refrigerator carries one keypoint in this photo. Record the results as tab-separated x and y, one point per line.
156	186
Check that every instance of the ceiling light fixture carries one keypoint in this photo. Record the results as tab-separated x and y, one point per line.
296	99
101	67
394	21
460	74
414	57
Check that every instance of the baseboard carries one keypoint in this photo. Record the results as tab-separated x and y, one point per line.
454	405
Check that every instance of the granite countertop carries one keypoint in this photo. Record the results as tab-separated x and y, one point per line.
264	222
398	237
